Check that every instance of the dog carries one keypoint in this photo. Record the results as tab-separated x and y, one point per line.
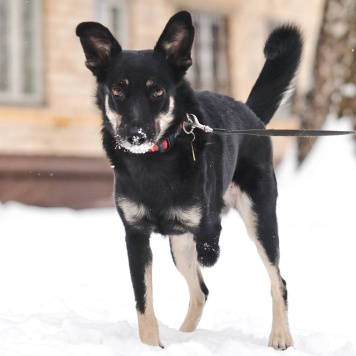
173	179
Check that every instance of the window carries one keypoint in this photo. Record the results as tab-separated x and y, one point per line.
20	49
210	57
114	15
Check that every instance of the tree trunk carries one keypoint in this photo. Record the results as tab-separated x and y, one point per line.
347	93
329	69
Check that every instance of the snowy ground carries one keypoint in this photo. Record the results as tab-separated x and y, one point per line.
65	286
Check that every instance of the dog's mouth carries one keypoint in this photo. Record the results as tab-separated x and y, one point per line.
135	148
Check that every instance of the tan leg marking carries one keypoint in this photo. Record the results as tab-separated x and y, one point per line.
185	256
147	322
280	336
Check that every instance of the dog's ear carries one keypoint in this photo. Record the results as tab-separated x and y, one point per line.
98	45
176	41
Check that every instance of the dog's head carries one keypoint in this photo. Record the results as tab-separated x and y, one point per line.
136	88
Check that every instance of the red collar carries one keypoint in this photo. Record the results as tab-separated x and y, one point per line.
165	144
160	147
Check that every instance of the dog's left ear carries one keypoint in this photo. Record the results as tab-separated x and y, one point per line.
176	42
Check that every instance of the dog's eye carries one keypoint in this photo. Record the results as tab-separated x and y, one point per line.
157	93
117	92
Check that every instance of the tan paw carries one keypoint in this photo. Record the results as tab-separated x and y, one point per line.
280	338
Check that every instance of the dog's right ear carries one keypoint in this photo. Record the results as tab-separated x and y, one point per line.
98	45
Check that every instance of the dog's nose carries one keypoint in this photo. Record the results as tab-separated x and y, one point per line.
136	136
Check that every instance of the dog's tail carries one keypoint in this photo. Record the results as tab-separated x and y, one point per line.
283	50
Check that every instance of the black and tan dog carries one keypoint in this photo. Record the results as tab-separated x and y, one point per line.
168	183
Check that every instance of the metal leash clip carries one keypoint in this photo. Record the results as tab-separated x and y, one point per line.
192	122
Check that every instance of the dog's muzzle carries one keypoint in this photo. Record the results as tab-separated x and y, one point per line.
135	140
136	137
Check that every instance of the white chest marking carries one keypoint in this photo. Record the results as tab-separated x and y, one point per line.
189	217
133	212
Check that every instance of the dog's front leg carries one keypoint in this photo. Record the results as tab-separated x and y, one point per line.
140	262
207	241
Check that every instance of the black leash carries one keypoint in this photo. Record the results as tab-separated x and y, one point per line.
192	122
285	132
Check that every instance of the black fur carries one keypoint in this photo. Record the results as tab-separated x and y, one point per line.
283	51
141	87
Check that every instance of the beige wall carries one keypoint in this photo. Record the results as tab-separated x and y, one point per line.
67	122
249	25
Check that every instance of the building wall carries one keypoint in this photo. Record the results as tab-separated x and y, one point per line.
251	25
67	124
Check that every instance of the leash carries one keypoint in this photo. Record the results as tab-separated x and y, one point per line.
192	122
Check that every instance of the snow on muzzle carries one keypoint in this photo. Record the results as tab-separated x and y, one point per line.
136	141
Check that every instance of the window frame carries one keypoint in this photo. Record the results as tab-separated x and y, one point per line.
15	43
210	70
104	9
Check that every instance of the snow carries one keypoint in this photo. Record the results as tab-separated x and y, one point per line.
66	290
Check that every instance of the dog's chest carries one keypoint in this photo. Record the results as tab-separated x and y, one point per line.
155	193
172	219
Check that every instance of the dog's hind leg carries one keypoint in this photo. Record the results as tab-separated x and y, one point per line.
258	210
185	258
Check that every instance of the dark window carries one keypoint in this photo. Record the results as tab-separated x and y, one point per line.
210	53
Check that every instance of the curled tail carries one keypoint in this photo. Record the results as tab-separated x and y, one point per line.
283	51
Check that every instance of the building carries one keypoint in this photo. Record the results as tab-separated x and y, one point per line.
50	145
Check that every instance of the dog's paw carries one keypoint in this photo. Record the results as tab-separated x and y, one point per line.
148	330
151	340
208	254
280	339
